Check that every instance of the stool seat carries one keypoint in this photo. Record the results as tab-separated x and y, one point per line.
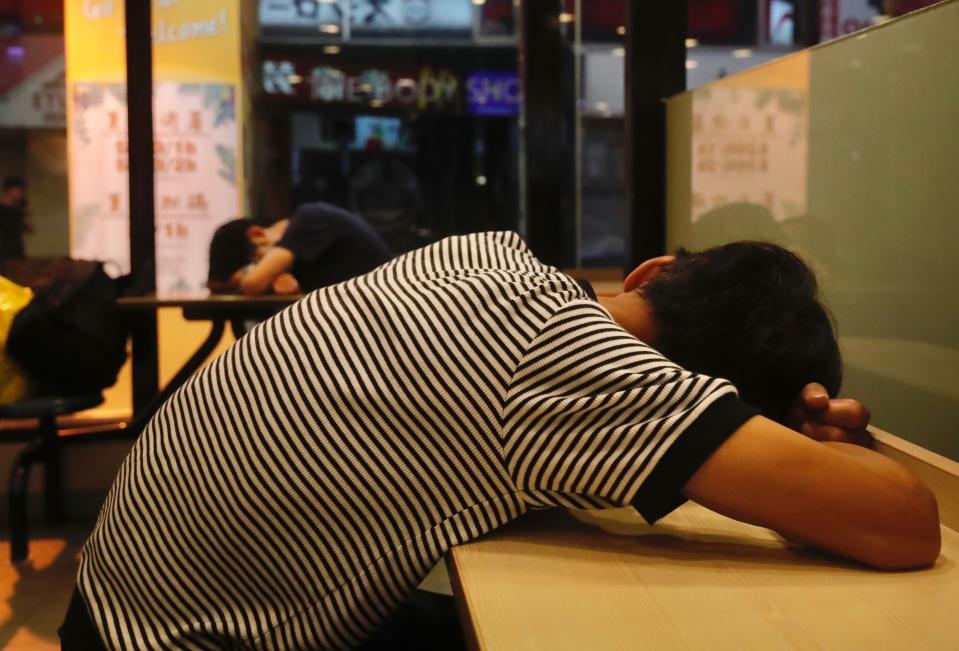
45	406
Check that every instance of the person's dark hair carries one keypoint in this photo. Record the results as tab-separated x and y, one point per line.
230	250
11	182
748	312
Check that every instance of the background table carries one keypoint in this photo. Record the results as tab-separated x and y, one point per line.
602	580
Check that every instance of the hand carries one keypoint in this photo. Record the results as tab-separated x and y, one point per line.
816	415
285	283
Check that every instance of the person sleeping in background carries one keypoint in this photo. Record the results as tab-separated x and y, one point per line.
319	245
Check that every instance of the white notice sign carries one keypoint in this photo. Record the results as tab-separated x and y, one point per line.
195	158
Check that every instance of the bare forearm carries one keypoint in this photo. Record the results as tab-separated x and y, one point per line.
834	496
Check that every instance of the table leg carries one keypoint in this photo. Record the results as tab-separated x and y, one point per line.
144	414
143	335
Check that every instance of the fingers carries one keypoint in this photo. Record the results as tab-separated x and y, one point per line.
846	413
814	397
811	398
841	412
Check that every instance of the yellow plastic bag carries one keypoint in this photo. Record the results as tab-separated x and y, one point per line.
13	298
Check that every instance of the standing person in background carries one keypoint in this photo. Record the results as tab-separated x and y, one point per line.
13	219
319	245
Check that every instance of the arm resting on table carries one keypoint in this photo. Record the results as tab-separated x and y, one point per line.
834	496
259	279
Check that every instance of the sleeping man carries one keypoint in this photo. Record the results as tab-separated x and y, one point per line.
294	492
319	245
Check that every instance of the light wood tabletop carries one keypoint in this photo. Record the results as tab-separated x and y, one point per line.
602	580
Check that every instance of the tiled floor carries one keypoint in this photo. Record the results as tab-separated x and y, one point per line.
34	593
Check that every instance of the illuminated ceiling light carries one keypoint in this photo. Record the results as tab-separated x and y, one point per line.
618	51
330	29
480	180
566	17
692	42
743	53
331	49
294	79
621	30
691	63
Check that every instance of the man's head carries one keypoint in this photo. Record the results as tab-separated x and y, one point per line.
14	191
235	244
748	312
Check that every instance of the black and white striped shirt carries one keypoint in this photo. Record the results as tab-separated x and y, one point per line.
293	492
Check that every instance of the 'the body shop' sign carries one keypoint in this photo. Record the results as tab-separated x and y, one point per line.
424	88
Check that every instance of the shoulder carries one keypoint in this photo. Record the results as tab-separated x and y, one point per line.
499	259
318	212
487	250
581	335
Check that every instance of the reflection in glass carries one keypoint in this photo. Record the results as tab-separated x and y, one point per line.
847	154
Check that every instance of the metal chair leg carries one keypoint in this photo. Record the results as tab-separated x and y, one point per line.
17	500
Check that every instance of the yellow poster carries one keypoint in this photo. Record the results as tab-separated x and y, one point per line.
198	80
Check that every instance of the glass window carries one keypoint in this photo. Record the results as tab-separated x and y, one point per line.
841	17
723	37
33	221
406	114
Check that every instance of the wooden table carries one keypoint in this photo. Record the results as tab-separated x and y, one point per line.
601	580
218	309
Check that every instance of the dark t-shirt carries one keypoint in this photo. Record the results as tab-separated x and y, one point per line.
11	233
330	245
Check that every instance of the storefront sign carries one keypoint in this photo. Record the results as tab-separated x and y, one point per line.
32	85
38	102
367	18
406	17
493	93
839	17
422	88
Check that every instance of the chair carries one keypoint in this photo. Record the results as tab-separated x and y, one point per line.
44	447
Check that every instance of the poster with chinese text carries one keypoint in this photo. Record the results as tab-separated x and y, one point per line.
195	136
750	145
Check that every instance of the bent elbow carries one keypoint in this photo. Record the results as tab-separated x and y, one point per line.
917	540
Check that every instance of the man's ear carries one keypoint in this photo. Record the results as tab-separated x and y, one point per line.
646	272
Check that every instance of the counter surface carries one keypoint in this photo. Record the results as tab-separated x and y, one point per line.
593	581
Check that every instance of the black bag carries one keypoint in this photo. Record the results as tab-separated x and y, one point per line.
71	338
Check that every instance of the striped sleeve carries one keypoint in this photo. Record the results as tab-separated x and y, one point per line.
594	418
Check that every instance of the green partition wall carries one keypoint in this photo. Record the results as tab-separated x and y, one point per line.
849	154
